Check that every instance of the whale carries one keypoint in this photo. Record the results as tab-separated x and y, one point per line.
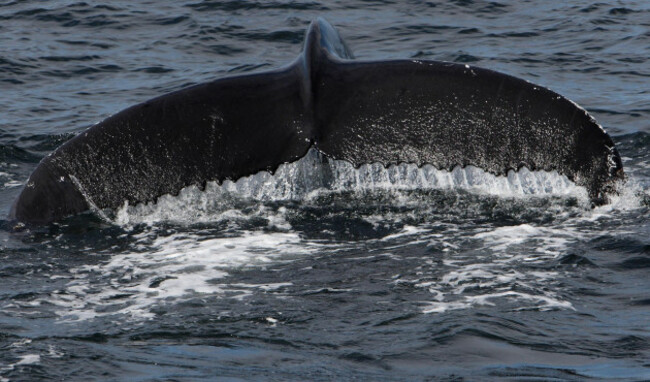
389	112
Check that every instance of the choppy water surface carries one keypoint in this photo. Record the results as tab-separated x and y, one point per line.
321	271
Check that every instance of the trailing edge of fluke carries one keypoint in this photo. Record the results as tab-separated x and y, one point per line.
414	111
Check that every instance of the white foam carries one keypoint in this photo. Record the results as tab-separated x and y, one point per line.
168	270
630	197
29	359
407	230
7	179
494	272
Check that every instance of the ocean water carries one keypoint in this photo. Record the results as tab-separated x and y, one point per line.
402	273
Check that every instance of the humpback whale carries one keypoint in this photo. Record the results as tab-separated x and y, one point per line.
389	112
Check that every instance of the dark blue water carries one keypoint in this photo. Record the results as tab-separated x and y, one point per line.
389	284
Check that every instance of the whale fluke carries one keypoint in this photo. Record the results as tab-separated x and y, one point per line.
423	112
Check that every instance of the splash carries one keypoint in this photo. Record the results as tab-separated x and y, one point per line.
316	174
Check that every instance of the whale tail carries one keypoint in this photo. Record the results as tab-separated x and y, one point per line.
423	112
